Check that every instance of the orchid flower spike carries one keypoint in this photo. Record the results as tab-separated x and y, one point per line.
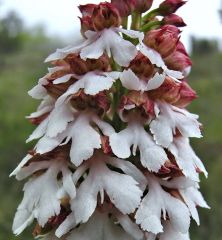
113	158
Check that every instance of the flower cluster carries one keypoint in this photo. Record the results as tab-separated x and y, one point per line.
113	158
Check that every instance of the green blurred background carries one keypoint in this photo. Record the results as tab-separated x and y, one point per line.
21	55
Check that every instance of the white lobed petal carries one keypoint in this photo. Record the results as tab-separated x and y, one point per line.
84	139
40	197
130	227
186	158
126	197
21	165
45	106
58	119
158	202
172	234
112	43
132	82
64	79
39	92
152	156
171	118
100	226
40	192
193	198
92	83
68	224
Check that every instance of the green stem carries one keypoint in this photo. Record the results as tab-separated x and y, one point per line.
150	15
125	22
150	25
136	21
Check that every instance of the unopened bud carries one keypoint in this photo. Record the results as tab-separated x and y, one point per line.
173	19
98	17
142	6
105	15
170	6
187	95
163	40
179	60
125	7
80	66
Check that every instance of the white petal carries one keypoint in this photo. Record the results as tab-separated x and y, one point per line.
21	164
193	198
31	168
126	197
130	80
47	144
130	169
132	33
66	225
46	106
152	156
85	202
68	183
84	139
99	227
158	202
40	198
39	131
22	219
39	92
152	55
130	227
63	79
186	158
58	119
173	234
155	82
92	83
110	42
171	118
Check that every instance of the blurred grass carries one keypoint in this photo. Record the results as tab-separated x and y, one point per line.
20	71
206	80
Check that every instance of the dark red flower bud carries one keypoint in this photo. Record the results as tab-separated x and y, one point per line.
179	60
170	6
163	40
141	103
142	66
187	95
100	103
173	19
86	19
178	94
97	17
142	6
125	7
105	15
80	67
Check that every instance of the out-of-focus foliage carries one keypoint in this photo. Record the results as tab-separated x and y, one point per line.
206	79
21	56
21	64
